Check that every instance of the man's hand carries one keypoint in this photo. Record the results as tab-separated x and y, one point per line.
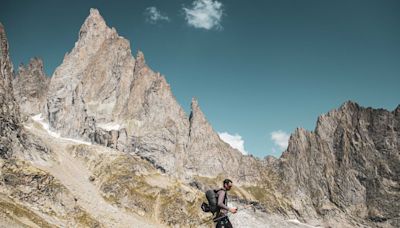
233	210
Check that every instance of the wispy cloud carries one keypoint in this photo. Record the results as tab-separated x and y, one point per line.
153	15
235	141
206	14
280	138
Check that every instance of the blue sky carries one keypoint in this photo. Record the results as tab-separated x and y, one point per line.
258	68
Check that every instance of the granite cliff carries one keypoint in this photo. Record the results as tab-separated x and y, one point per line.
349	166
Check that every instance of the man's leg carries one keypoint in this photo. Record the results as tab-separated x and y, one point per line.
228	223
224	223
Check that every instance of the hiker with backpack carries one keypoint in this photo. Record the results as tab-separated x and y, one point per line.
218	205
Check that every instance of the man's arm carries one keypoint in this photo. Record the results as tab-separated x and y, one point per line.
221	197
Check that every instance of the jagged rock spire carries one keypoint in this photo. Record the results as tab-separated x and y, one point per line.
6	65
196	113
140	62
199	125
140	58
7	102
30	87
206	147
99	60
93	25
9	111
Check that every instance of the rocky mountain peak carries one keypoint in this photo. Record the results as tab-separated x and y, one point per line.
6	69
344	114
99	70
299	136
199	125
93	25
94	31
30	87
140	58
4	55
196	115
140	61
35	64
3	44
350	161
349	106
194	104
206	147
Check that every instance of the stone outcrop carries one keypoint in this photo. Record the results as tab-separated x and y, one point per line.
349	165
30	87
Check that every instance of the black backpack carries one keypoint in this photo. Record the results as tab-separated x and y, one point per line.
212	198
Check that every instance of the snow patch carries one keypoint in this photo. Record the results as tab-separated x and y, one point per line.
109	126
39	119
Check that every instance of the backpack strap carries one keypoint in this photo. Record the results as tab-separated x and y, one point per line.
217	190
225	197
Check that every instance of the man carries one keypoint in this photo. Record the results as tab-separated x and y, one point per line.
221	218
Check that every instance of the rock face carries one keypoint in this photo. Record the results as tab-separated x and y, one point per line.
30	87
208	155
95	58
9	110
116	100
349	165
206	147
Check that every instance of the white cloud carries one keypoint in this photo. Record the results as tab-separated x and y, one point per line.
153	15
280	138
235	141
206	14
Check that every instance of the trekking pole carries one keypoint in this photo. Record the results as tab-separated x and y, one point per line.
224	216
215	219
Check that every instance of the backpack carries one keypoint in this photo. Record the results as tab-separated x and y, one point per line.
212	198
